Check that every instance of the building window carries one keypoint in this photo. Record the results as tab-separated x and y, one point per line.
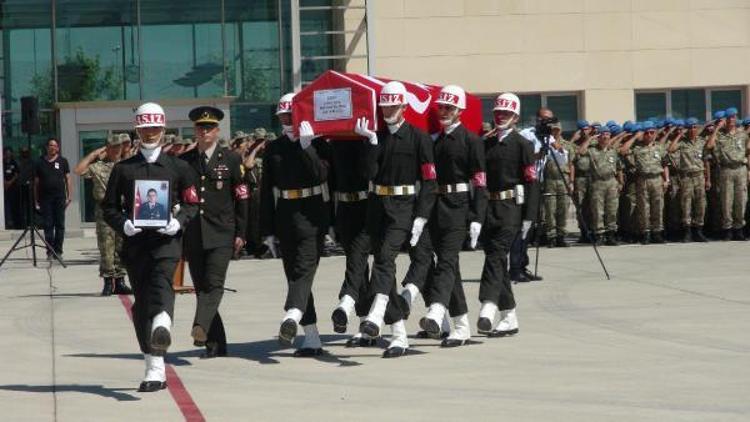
565	107
683	103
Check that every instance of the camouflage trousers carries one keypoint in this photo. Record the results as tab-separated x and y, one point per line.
582	196
650	200
693	199
110	246
628	221
556	204
733	191
604	203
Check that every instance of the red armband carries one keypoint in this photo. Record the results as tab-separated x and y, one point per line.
240	192
190	195
529	173
428	171
479	180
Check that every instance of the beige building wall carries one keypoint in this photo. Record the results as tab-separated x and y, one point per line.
602	49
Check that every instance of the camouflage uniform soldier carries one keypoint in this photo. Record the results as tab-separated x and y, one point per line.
730	148
110	244
556	202
693	180
627	216
606	179
582	182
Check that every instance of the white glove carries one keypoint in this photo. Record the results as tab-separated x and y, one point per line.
416	230
360	128
172	227
525	227
270	241
130	229
306	134
474	230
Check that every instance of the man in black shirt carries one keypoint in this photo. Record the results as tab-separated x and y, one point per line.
53	188
510	170
11	190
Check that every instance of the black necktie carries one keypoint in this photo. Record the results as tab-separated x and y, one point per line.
204	163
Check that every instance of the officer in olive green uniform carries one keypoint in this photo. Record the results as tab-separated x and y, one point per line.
582	182
650	177
693	181
108	241
556	201
730	148
606	179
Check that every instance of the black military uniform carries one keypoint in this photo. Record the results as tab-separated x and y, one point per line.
299	216
510	160
350	188
395	165
150	258
459	160
209	237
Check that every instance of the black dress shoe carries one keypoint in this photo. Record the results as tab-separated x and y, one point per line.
287	332
430	326
340	320
160	341
528	274
214	350
424	334
395	352
452	342
369	328
484	325
361	342
151	386
498	333
307	352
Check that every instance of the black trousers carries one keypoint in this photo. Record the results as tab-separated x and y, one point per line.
519	252
421	264
151	279
208	269
352	233
301	255
52	209
447	286
502	224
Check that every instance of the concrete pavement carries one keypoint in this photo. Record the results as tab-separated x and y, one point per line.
665	339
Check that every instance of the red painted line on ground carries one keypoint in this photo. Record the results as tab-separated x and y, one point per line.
176	388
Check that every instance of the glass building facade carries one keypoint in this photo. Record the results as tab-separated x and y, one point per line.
114	50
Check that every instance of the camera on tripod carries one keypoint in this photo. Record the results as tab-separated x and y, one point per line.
544	126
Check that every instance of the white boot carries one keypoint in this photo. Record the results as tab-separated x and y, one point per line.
410	294
434	319
341	314
288	329
486	316
399	341
155	378
508	324
161	333
311	346
374	321
461	332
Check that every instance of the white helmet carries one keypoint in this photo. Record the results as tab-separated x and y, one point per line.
150	115
392	94
508	102
452	95
285	104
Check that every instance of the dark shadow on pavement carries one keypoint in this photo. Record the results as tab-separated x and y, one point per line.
98	390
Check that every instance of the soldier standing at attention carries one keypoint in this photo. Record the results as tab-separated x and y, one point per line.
218	230
582	184
730	146
606	183
108	241
556	201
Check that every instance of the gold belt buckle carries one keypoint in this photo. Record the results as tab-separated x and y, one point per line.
294	194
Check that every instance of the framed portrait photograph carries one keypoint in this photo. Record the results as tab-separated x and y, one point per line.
151	203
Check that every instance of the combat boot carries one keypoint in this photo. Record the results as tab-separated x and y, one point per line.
686	235
645	238
658	237
610	239
698	234
727	235
560	242
109	286
738	235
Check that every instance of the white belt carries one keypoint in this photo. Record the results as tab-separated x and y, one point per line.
502	195
458	187
393	190
302	193
351	196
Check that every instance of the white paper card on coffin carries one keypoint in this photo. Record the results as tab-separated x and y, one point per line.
332	104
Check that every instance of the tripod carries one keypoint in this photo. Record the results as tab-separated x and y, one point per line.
31	229
569	192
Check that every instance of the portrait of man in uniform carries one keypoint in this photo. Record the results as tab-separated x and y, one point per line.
153	212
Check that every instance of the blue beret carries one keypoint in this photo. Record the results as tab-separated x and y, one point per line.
616	129
746	121
603	129
648	125
611	123
596	125
691	121
627	122
720	114
731	111
679	123
582	124
637	127
669	121
660	123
